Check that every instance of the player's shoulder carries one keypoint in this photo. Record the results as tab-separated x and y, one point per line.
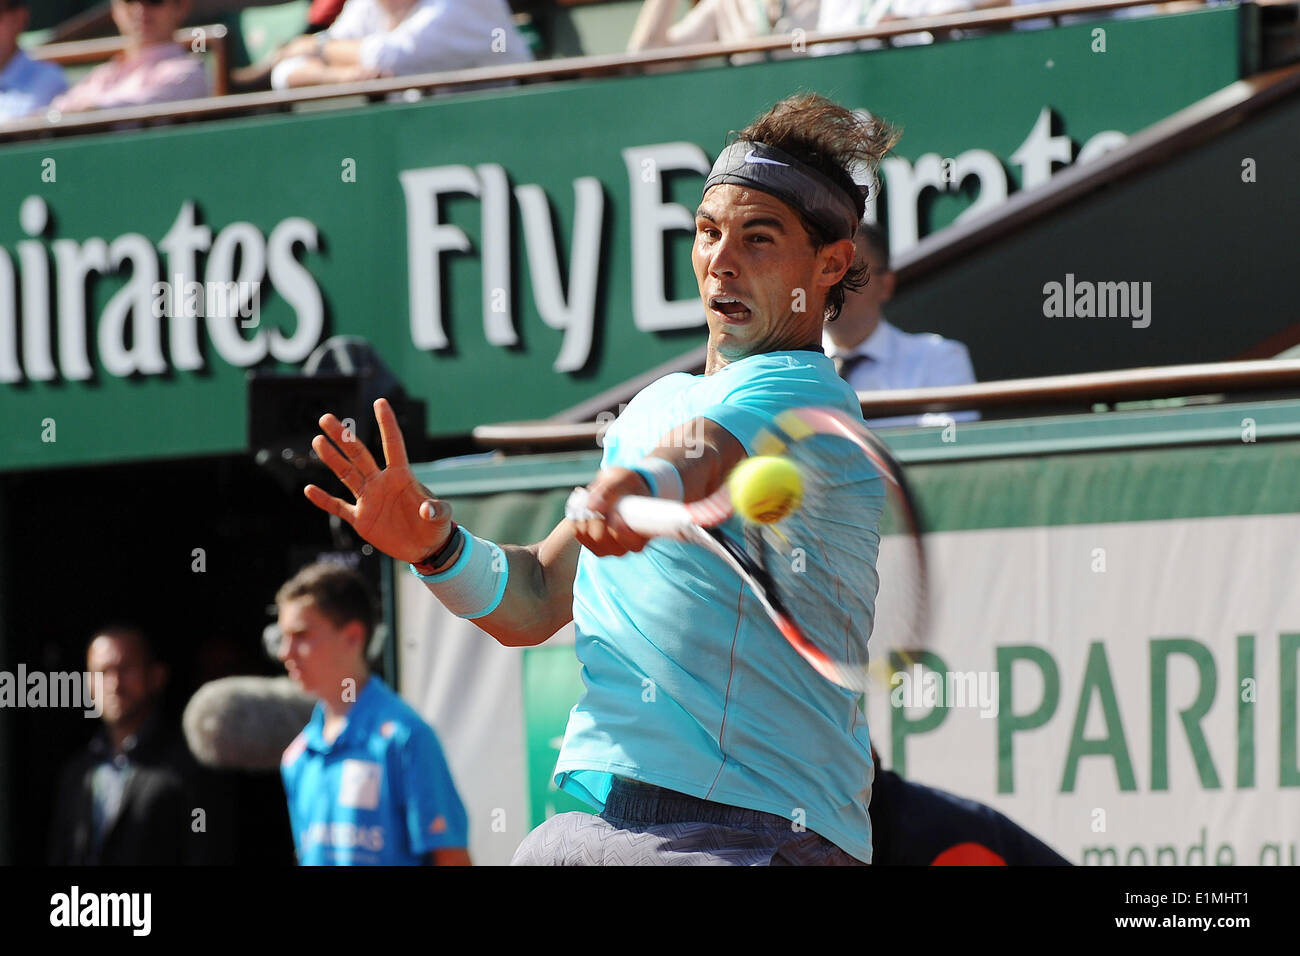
786	379
664	387
803	367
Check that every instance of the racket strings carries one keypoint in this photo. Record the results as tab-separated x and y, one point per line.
819	560
848	564
832	592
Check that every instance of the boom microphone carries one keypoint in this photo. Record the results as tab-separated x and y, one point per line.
245	723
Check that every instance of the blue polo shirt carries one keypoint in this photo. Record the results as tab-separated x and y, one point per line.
27	85
689	684
380	794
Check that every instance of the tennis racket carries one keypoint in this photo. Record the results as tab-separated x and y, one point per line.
847	565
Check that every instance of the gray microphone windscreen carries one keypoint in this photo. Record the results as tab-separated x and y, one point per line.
245	723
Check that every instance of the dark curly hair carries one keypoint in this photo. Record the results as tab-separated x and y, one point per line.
339	592
835	142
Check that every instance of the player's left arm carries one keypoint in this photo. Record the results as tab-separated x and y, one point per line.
701	451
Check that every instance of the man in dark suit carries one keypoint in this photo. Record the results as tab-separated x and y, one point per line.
130	798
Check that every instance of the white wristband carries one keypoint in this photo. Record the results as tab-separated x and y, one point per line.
662	477
474	585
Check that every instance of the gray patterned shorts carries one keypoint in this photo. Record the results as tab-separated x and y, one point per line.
644	825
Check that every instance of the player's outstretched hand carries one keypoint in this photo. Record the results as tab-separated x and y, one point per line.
393	511
610	536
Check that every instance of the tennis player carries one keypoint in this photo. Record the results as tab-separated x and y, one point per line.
702	736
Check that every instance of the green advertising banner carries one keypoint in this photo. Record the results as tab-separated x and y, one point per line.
552	685
508	253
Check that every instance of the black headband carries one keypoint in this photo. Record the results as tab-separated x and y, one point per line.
770	170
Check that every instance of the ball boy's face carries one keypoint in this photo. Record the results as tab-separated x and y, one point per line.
317	653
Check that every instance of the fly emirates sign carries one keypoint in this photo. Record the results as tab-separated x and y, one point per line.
203	280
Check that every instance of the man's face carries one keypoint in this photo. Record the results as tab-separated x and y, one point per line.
864	307
149	23
751	247
12	24
131	680
316	652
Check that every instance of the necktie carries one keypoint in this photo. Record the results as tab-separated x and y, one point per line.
845	367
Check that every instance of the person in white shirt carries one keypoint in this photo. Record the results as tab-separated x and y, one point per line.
373	38
842	16
26	85
871	354
722	21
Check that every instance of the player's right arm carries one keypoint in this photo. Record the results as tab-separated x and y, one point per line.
402	518
538	599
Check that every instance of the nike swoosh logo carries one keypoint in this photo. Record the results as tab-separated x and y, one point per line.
751	158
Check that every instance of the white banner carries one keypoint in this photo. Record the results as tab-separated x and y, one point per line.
1186	765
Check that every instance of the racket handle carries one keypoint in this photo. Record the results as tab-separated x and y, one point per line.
652	517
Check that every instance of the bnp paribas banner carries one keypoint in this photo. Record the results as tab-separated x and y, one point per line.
508	253
1114	664
1126	691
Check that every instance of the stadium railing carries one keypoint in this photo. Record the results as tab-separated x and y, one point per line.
1210	380
548	70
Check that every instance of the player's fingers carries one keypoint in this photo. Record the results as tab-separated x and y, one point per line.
343	469
390	434
432	509
591	535
351	446
603	497
598	536
327	502
611	485
622	535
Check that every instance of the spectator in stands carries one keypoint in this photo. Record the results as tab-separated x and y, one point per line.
26	85
842	16
373	38
1068	20
872	354
152	69
322	14
366	779
129	798
721	21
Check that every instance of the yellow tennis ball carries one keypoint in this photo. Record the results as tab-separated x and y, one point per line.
765	488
